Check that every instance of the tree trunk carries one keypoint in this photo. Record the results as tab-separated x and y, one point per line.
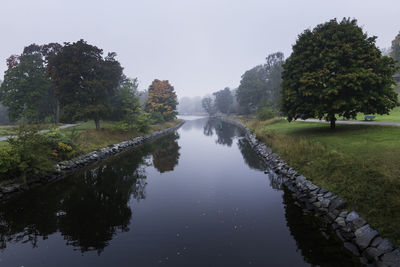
57	113
333	122
97	123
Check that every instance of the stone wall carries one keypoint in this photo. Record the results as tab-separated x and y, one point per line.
357	235
64	168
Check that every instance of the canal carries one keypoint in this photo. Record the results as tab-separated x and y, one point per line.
196	197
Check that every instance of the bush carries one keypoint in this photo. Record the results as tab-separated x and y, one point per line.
156	117
267	113
61	145
142	123
28	155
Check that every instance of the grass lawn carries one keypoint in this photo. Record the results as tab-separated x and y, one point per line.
394	116
89	139
8	130
359	163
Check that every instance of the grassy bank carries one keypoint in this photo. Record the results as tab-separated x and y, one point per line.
87	138
359	163
32	154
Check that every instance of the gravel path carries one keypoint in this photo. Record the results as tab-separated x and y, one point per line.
2	138
379	123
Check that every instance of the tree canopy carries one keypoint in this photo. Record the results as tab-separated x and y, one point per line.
84	81
223	100
162	99
260	86
337	70
208	105
26	90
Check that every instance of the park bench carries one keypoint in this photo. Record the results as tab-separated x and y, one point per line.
369	117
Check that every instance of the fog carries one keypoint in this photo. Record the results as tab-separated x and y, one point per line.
199	46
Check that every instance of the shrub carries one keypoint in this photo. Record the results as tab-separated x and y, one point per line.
58	141
267	113
28	155
142	123
157	117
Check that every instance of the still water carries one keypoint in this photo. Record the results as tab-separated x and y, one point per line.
197	197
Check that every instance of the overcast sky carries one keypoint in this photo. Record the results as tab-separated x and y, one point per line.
199	46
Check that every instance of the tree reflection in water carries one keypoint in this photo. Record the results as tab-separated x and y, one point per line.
166	153
225	131
89	207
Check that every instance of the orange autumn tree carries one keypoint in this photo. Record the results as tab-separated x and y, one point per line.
162	100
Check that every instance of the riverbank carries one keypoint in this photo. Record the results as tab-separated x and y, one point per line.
12	188
358	236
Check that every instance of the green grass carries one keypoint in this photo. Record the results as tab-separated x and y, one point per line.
394	116
90	139
359	163
8	130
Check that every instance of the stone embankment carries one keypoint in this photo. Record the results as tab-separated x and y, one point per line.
12	189
357	235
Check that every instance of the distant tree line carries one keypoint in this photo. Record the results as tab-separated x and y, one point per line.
76	81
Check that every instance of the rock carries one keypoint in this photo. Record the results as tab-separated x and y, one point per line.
341	222
385	246
323	191
10	188
352	216
337	204
364	236
312	199
325	203
377	240
317	204
331	216
392	258
380	264
352	248
357	223
372	253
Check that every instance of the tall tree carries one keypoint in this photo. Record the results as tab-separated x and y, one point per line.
84	81
337	70
45	52
395	50
25	90
395	54
260	86
162	99
208	105
223	100
125	104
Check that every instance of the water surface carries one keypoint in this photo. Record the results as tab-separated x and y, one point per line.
197	197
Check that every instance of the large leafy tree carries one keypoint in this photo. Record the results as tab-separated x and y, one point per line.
125	104
25	90
395	54
45	52
337	70
223	100
260	86
208	105
395	49
162	99
85	82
